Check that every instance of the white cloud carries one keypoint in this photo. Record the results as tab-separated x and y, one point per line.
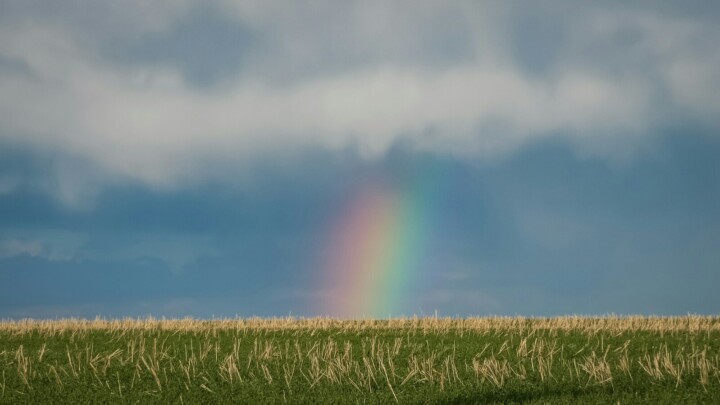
14	247
146	122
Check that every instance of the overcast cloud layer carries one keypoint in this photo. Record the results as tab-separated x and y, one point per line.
187	157
154	90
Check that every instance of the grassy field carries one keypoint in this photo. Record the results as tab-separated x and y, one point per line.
423	360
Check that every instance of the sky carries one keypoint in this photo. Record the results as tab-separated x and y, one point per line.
358	159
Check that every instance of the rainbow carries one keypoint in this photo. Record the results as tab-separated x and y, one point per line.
376	249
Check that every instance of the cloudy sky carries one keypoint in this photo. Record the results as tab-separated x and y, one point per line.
201	158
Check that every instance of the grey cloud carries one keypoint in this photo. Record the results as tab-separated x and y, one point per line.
206	47
462	78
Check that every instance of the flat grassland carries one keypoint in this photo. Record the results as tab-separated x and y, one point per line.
320	360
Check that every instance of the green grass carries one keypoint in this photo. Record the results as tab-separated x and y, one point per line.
481	360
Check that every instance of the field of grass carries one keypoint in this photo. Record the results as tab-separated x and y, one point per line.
413	360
